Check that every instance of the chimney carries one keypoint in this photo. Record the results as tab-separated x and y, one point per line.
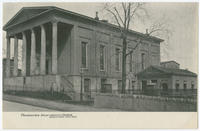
96	17
147	31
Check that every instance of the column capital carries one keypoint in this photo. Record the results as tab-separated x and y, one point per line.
7	36
23	33
54	21
42	26
32	30
15	36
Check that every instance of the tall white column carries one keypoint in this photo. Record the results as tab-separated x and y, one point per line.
54	46
15	73
43	51
24	47
33	52
8	57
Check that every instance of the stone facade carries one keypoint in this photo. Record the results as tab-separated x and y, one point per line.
52	47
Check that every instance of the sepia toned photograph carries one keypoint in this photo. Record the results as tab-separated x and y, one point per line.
111	57
100	57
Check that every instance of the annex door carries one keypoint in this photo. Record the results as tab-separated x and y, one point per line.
165	86
144	85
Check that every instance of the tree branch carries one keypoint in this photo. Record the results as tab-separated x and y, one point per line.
134	48
129	10
114	17
118	15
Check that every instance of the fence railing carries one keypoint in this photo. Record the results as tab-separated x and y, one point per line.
191	93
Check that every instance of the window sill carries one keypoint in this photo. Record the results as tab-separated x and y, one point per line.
84	69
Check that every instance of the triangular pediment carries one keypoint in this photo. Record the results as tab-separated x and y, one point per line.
25	14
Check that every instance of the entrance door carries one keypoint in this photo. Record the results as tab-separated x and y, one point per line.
87	88
103	87
165	86
119	86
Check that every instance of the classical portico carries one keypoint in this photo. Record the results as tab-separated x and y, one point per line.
29	37
39	42
45	39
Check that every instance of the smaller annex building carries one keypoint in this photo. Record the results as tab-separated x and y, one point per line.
167	79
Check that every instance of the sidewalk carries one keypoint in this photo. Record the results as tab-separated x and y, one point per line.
55	105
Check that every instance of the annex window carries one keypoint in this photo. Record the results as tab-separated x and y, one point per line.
102	57
185	85
133	86
153	82
177	85
117	59
84	54
142	60
192	85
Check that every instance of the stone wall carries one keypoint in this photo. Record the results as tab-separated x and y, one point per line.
31	83
144	103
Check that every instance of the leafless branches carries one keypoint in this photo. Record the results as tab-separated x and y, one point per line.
161	28
125	13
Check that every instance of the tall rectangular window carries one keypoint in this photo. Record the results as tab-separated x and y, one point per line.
117	59
84	54
185	85
133	86
192	85
142	60
102	57
177	85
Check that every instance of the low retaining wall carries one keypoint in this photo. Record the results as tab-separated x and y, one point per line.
144	103
32	83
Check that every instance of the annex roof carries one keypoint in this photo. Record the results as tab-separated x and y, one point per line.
27	13
158	70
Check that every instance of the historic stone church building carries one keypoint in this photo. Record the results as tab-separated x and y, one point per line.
73	53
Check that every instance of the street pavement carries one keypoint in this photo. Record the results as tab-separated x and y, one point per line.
48	104
17	107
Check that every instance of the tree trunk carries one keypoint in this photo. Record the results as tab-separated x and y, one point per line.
124	65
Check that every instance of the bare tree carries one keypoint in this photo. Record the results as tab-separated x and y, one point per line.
124	15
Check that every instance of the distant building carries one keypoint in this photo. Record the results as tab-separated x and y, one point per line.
162	78
170	64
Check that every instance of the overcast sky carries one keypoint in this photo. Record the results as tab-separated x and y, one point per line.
182	18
